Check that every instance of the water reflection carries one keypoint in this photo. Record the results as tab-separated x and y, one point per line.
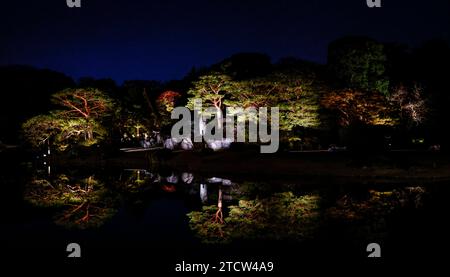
281	216
79	203
264	213
368	217
221	210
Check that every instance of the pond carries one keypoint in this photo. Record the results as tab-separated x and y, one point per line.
167	216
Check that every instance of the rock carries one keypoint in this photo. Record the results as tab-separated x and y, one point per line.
186	144
169	144
187	178
173	179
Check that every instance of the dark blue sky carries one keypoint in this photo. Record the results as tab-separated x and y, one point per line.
162	40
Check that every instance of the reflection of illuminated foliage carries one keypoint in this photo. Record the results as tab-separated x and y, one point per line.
137	182
82	204
281	216
369	216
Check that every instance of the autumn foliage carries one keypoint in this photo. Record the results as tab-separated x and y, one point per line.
352	106
168	99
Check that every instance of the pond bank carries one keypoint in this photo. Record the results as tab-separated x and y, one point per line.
395	166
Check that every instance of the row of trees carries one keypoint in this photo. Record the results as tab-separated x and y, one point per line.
360	86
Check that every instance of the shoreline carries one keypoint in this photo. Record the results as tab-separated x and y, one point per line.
398	167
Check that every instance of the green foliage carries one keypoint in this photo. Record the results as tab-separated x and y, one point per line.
79	123
76	131
299	105
359	64
296	94
281	216
88	103
212	89
39	129
77	204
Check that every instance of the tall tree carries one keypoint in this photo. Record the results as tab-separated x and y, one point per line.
359	63
297	96
212	89
88	104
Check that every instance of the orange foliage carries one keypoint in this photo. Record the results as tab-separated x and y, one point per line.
352	106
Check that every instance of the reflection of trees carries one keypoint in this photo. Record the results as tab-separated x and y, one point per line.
280	216
137	181
79	204
368	217
218	218
285	216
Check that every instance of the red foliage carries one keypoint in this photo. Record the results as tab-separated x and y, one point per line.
169	188
168	96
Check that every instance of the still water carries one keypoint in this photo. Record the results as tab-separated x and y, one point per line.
168	216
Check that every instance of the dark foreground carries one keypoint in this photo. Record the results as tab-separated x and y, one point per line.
404	210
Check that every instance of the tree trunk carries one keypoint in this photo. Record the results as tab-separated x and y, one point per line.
153	112
90	133
218	218
219	116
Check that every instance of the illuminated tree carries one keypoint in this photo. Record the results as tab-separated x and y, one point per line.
168	100
296	95
410	103
87	104
79	122
212	89
40	129
77	131
353	107
165	103
298	99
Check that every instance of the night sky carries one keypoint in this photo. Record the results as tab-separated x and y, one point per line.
163	40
